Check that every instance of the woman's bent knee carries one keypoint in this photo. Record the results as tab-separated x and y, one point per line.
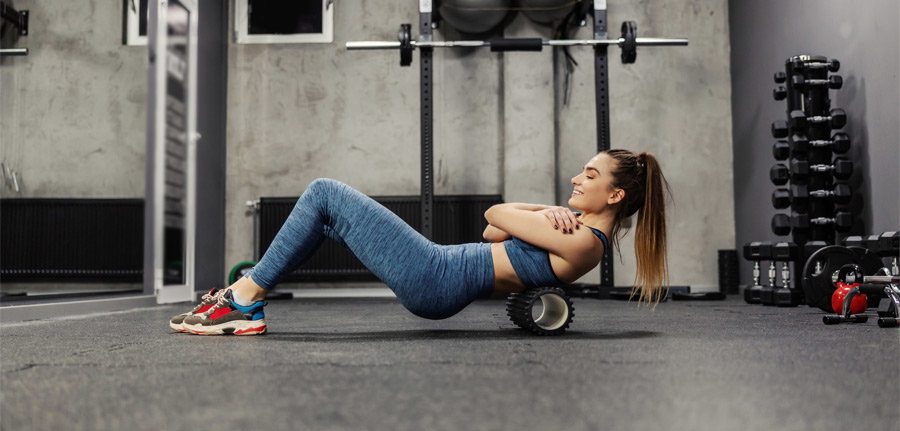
324	184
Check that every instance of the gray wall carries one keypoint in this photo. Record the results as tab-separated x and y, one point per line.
297	112
72	120
864	37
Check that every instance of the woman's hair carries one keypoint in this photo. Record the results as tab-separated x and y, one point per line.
640	176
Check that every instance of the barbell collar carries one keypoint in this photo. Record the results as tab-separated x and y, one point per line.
640	41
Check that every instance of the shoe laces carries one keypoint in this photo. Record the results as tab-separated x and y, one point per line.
209	299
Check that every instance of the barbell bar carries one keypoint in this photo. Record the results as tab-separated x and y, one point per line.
628	42
640	41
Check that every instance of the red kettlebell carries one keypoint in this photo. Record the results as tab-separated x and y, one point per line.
857	305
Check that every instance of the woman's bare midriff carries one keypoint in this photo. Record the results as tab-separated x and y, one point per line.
506	280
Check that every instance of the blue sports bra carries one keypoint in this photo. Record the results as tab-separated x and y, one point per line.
532	263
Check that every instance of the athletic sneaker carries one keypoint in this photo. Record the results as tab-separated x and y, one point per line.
207	301
226	317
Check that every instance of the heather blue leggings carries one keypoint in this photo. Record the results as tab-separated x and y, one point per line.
431	280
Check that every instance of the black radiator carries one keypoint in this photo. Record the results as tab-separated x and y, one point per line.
457	219
72	240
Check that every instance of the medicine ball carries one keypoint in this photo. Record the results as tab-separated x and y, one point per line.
547	11
474	16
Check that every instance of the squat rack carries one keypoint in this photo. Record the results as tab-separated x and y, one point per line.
425	44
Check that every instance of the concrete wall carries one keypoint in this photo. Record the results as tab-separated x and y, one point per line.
73	118
297	112
72	121
864	37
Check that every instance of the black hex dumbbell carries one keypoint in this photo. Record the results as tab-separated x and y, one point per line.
797	197
839	143
756	252
782	224
786	296
780	77
779	174
779	129
841	168
781	252
833	65
855	241
779	93
836	120
781	150
833	82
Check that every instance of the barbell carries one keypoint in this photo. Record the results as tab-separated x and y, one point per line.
628	42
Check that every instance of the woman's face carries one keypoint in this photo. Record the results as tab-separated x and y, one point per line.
593	190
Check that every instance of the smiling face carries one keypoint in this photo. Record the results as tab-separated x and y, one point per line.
593	188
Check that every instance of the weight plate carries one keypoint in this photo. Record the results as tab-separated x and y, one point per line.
870	263
239	270
868	260
629	45
816	276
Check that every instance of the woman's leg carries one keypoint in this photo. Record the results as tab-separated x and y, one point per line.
424	276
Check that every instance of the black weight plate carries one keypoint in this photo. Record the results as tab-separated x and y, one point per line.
868	260
870	263
817	285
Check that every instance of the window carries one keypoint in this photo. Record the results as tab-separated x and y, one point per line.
136	18
284	21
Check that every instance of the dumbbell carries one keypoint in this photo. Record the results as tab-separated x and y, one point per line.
855	241
756	252
779	174
833	65
781	252
781	150
839	142
786	296
780	77
798	195
841	168
782	224
779	93
833	82
836	120
779	129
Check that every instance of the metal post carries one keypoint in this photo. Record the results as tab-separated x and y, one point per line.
426	98
601	84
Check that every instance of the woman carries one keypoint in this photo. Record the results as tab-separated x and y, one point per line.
529	245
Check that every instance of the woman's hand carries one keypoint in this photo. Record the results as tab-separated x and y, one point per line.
561	217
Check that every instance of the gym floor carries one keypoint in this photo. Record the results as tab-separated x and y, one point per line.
369	364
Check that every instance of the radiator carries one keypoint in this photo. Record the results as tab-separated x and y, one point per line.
457	219
71	240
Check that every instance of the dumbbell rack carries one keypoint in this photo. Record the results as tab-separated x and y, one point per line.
813	195
806	143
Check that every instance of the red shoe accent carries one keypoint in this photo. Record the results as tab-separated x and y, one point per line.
244	331
204	308
220	312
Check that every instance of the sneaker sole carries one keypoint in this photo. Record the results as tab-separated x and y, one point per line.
239	327
179	327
